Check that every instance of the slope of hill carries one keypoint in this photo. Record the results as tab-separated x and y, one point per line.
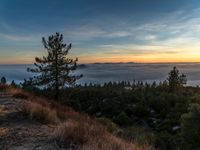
18	132
29	122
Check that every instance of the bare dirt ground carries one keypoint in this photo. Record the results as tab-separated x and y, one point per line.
19	133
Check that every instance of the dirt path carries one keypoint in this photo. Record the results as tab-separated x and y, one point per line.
20	133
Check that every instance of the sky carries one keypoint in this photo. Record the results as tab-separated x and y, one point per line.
142	31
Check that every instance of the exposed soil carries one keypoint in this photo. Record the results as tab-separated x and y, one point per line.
20	133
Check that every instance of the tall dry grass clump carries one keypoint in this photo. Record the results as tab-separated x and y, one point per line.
17	92
75	133
47	111
89	135
39	112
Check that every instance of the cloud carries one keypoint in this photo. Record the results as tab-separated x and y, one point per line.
171	33
91	32
175	29
150	37
137	49
84	33
18	38
118	34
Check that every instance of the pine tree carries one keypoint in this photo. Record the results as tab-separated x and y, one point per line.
13	84
176	80
3	80
55	70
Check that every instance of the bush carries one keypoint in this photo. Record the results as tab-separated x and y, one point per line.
141	110
190	127
110	126
139	135
165	141
122	119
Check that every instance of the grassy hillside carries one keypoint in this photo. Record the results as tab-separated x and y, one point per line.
149	114
72	129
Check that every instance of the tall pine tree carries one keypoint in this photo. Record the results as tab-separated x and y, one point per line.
55	70
175	79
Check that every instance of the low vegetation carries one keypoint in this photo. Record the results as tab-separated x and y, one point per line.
72	129
39	112
151	114
89	135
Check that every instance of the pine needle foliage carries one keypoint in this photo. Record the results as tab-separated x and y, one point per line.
55	70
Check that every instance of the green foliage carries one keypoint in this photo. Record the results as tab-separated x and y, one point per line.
13	84
190	127
141	109
166	141
175	79
54	70
139	135
27	86
3	80
110	126
148	113
122	119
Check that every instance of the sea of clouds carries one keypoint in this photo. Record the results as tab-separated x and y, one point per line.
105	72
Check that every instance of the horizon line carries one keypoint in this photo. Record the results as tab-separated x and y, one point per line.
108	63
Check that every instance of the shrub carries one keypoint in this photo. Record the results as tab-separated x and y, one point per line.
139	135
122	119
110	126
141	110
190	127
165	141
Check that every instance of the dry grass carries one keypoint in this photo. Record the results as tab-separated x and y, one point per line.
3	131
2	108
47	111
12	91
89	136
39	112
17	93
3	87
72	129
